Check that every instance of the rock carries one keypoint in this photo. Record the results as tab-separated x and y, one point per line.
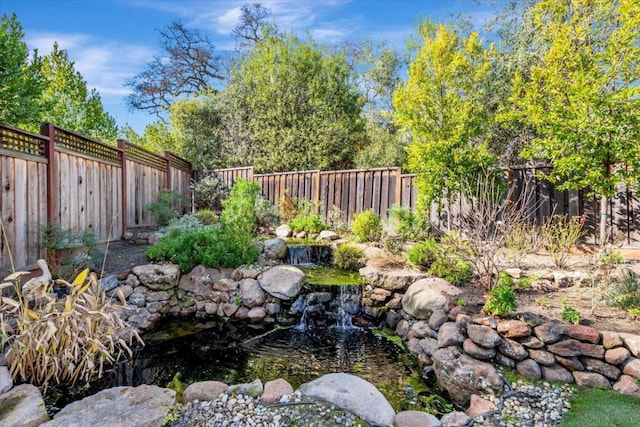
158	277
352	394
463	320
421	329
274	390
226	309
242	313
283	231
157	296
319	297
542	357
514	329
145	405
569	347
632	342
225	285
6	382
394	303
455	419
549	332
109	283
437	319
272	308
253	389
257	314
584	333
455	312
591	379
203	391
627	385
251	293
328	235
461	376
449	335
514	273
477	352
200	280
210	308
391	318
429	345
611	339
138	299
22	406
571	363
402	328
301	235
427	295
632	368
483	336
416	419
512	349
413	345
532	342
597	365
488	321
503	360
283	281
275	248
396	280
479	405
616	356
529	368
557	374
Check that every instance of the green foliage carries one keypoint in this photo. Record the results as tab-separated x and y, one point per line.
570	314
334	217
501	300
267	214
206	216
240	207
309	222
408	224
454	270
209	193
442	106
423	254
218	246
521	239
624	292
561	234
62	341
164	210
348	257
596	407
68	253
504	279
367	226
525	283
177	385
461	302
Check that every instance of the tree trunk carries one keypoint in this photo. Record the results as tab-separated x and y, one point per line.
604	205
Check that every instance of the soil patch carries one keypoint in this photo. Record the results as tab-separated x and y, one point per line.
123	255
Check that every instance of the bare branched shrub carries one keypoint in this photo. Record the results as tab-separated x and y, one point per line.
62	340
489	214
561	234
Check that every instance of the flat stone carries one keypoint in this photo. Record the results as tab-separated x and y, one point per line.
144	406
483	336
352	394
397	280
455	419
158	277
571	363
203	391
632	368
549	332
512	349
597	365
514	329
529	368
476	351
611	339
6	382
283	281
571	347
632	342
616	356
627	385
449	335
22	406
542	357
557	374
479	405
274	390
416	419
584	333
488	321
328	235
591	379
253	389
532	342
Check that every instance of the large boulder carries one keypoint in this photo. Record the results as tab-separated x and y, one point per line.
158	277
463	376
251	293
22	406
632	342
6	382
275	248
428	295
283	281
396	280
200	280
352	394
141	406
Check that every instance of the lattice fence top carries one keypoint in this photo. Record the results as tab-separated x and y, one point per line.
78	144
21	141
146	157
179	163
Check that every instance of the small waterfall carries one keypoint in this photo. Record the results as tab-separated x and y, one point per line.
308	255
347	303
334	312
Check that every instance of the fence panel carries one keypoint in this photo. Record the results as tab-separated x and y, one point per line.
180	175
228	176
297	185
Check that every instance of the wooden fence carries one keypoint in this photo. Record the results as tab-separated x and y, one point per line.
79	184
353	191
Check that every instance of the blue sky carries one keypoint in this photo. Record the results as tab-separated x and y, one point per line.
112	40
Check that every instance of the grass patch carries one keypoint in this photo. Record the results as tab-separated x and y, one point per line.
326	276
594	407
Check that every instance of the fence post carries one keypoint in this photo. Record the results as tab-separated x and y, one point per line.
122	145
398	187
318	188
47	129
167	158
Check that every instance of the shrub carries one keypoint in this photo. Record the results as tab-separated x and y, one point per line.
219	247
423	254
624	292
50	340
408	225
267	214
454	270
570	314
335	219
68	253
504	279
206	216
309	222
164	210
501	301
209	192
367	226
560	235
348	257
240	207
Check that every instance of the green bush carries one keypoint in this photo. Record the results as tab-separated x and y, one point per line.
423	254
504	279
309	222
624	292
240	207
501	301
560	235
267	214
209	192
348	257
570	314
220	247
454	270
206	216
164	210
367	226
408	225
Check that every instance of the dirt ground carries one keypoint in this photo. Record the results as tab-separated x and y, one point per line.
123	255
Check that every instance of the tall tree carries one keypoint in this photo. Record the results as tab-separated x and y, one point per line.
442	106
157	137
21	80
584	98
252	26
70	103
